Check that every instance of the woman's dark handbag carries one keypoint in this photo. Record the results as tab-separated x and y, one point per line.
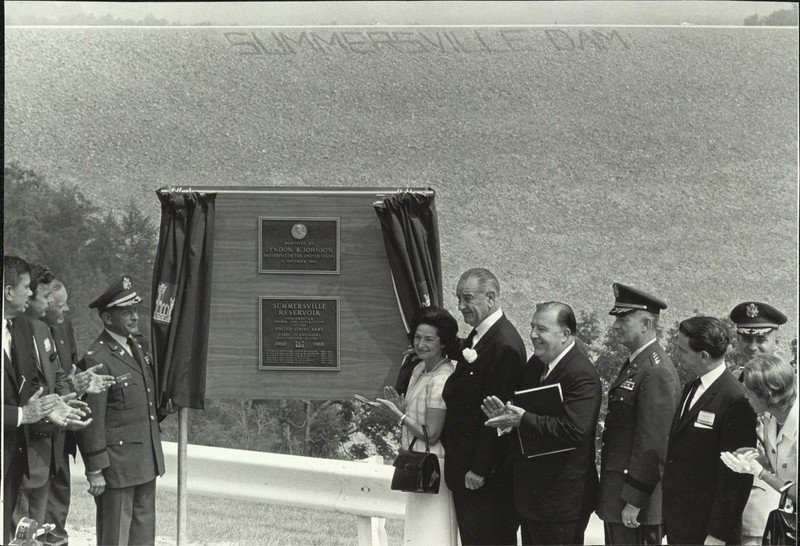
782	522
417	472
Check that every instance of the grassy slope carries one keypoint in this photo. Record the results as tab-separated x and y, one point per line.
671	164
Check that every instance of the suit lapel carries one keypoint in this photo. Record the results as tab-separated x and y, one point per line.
554	376
632	367
704	400
489	334
46	371
120	353
627	370
12	379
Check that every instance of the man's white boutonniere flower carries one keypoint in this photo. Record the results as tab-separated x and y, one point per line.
469	355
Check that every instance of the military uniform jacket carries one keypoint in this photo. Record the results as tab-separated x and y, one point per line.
641	403
702	496
124	440
39	436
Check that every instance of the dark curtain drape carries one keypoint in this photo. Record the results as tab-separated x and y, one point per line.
182	299
411	236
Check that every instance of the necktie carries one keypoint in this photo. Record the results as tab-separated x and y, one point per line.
470	337
688	401
544	373
132	350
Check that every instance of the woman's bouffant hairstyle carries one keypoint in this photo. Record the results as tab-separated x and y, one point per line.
446	327
772	379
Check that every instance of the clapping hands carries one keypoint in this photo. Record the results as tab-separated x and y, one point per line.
392	400
501	415
69	413
37	407
743	461
90	381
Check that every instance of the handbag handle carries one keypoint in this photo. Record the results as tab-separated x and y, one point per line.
786	502
425	432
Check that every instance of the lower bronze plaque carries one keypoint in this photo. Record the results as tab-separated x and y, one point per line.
298	333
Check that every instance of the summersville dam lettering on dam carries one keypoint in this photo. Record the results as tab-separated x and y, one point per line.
463	41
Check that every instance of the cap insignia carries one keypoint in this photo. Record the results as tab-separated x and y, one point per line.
752	310
126	283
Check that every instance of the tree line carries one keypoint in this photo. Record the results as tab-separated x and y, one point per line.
88	245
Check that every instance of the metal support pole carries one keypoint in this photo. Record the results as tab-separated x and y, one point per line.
183	511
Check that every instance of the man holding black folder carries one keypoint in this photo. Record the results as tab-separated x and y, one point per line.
554	489
641	403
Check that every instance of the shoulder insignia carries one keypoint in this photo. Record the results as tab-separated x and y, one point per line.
655	360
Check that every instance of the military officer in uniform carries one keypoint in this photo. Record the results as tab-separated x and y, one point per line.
641	403
756	328
122	447
757	332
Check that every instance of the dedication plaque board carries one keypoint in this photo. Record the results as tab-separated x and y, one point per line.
298	245
298	333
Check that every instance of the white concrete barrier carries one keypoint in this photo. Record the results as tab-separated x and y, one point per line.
360	488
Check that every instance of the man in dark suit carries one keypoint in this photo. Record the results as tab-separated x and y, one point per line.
641	403
64	445
23	402
39	436
555	493
122	448
477	469
703	498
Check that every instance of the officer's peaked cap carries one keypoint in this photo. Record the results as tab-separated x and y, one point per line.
629	299
119	294
755	317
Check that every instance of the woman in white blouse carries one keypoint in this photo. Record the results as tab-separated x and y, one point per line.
771	388
430	519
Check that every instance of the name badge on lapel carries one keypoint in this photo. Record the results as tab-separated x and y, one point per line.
705	419
627	385
123	379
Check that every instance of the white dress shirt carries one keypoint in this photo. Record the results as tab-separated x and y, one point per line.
705	382
121	340
483	327
549	366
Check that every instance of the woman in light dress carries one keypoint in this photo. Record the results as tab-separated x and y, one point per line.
430	518
771	388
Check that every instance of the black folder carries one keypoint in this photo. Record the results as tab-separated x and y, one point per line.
546	400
